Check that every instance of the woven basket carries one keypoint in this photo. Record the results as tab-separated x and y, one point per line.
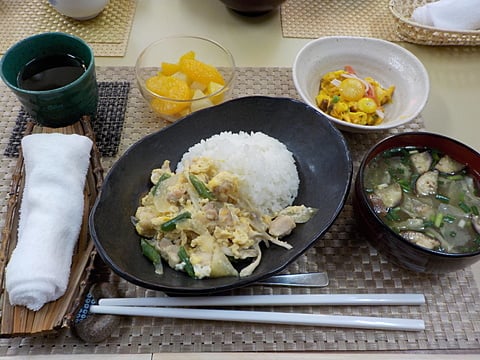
421	34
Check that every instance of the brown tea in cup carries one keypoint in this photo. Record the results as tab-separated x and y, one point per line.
50	72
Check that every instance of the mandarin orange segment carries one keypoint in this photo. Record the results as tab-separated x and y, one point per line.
168	107
170	87
188	55
169	68
201	72
155	84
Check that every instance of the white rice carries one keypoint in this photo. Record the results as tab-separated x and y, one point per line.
266	168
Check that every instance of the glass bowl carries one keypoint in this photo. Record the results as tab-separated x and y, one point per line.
178	75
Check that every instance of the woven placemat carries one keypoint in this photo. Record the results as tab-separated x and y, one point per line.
107	33
451	313
107	124
312	19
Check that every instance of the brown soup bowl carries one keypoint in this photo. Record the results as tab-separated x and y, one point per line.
390	244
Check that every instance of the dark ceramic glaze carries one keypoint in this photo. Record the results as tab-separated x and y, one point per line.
61	106
252	7
396	249
323	162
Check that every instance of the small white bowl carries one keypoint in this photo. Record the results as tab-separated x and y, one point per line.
79	9
386	62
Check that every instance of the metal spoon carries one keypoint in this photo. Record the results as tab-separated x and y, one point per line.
313	279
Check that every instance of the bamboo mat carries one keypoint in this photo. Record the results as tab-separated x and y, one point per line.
107	33
451	314
318	18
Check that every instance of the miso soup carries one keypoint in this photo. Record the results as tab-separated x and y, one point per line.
427	197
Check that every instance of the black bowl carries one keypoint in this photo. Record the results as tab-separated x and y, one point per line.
388	243
252	7
323	162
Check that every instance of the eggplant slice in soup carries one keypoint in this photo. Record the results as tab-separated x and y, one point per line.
421	161
447	165
390	195
427	183
420	238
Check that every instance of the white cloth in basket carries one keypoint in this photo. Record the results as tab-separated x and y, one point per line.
454	15
51	214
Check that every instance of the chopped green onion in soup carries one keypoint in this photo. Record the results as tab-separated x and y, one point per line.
427	197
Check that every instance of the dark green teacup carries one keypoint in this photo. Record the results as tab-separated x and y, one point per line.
63	105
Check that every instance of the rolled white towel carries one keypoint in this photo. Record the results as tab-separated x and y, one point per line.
51	215
449	14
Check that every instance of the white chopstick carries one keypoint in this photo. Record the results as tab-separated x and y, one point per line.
361	322
265	300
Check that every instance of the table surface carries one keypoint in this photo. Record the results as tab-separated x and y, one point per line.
258	42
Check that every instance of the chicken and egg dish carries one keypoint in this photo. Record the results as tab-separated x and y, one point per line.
198	222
